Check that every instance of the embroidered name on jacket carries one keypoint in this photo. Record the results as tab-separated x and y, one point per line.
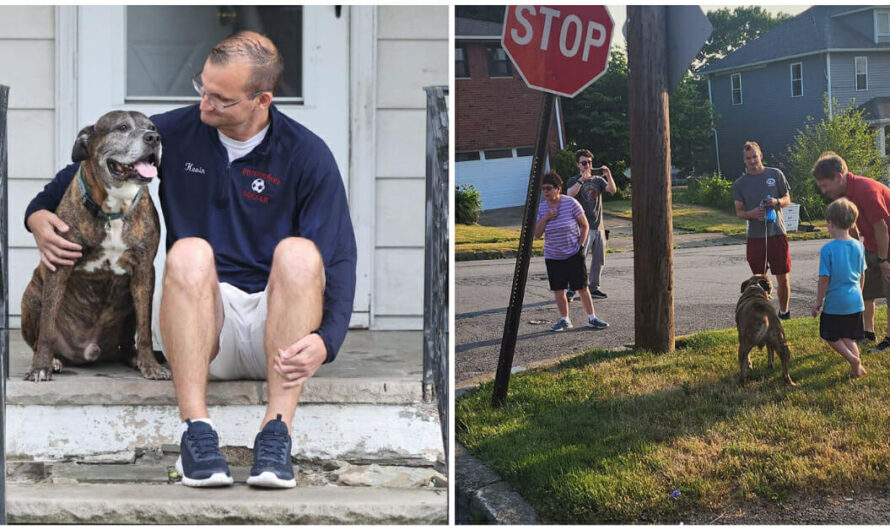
191	168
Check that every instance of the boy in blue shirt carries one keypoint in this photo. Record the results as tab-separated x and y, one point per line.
841	264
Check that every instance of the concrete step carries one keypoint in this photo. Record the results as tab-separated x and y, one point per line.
239	504
367	406
143	488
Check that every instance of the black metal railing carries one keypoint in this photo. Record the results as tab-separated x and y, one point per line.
4	296
435	281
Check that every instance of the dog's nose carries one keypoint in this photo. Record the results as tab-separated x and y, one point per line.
152	138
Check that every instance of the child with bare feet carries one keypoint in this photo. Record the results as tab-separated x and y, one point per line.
841	266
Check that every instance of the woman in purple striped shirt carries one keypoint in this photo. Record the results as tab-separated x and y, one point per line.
562	222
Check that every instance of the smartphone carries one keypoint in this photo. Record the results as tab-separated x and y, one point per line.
597	171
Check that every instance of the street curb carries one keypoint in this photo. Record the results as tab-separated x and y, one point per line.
473	255
480	492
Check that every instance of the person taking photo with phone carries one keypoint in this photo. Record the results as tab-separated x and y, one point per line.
587	188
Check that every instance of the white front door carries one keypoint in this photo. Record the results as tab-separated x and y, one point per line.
143	57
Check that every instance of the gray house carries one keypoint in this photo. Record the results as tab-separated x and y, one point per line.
765	90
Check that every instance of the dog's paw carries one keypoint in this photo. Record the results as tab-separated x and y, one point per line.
153	370
57	365
38	374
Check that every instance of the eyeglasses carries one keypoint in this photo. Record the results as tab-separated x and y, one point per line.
214	101
585	162
547	187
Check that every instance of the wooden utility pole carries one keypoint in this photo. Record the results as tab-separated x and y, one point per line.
650	153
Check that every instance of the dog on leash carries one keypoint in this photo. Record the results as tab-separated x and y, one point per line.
96	309
758	324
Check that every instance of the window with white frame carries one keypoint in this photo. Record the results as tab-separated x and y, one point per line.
466	156
461	66
883	23
796	80
861	73
736	82
887	140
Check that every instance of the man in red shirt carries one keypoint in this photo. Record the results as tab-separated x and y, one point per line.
873	200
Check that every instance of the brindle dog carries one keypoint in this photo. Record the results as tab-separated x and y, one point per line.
95	310
758	324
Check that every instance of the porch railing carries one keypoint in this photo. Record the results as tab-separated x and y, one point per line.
4	296
435	281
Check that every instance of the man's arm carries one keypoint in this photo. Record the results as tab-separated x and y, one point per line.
573	189
324	219
45	225
610	183
741	213
881	241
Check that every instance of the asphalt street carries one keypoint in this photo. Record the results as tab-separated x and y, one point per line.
707	283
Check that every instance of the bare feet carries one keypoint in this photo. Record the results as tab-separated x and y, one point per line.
857	370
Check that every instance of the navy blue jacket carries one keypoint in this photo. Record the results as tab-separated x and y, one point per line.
289	185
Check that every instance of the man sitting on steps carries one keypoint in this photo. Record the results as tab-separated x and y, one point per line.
260	273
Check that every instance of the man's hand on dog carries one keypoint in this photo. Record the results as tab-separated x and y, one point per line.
54	249
300	360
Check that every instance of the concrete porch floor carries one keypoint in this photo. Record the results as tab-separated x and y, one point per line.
374	367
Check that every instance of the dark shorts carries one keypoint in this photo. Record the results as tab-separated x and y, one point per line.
835	327
775	248
875	286
571	272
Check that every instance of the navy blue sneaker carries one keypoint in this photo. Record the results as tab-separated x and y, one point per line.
200	462
272	467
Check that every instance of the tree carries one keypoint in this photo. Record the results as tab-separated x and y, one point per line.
596	119
489	13
733	29
847	134
691	117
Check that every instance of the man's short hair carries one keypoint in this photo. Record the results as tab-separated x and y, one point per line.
752	145
842	213
583	152
552	178
829	165
259	51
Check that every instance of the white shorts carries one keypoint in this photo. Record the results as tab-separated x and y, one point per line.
242	354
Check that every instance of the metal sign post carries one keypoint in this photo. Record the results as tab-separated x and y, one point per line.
520	275
559	50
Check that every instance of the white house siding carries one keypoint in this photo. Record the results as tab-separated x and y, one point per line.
27	56
843	77
412	53
502	182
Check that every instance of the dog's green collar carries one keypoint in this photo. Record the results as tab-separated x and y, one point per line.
95	209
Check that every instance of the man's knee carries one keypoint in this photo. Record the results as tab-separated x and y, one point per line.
297	259
189	264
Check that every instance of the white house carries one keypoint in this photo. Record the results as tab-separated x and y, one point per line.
355	77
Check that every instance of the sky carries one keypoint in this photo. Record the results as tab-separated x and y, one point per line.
618	15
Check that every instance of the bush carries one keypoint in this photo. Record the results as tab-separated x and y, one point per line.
847	134
714	191
467	204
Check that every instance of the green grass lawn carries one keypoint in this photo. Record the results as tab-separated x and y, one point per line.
699	219
608	436
472	239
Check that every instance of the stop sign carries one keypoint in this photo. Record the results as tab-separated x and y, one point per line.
558	49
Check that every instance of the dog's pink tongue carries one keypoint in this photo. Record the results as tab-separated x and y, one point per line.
146	170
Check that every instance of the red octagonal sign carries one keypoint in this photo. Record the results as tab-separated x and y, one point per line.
558	49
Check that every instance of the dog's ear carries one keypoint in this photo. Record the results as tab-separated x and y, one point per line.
766	285
80	151
744	285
